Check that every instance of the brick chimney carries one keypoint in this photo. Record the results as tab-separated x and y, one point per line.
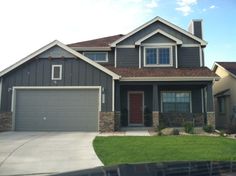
195	27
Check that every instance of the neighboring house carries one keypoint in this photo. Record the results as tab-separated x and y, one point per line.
225	94
154	74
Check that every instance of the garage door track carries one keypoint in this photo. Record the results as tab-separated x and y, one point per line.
35	153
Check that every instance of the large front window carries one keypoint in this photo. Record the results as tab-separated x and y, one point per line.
97	56
176	101
158	56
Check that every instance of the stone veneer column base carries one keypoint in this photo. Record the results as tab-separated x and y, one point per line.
107	122
211	120
155	118
117	120
5	121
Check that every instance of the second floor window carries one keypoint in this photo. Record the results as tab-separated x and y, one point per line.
158	56
56	72
97	56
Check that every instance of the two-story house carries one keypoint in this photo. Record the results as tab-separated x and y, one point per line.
224	92
154	74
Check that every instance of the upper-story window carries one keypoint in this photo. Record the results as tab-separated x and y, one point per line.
56	72
97	56
157	56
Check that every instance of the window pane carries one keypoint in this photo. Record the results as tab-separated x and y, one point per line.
176	101
169	107
96	56
56	72
164	55
151	56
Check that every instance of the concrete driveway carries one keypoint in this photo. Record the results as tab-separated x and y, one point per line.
23	153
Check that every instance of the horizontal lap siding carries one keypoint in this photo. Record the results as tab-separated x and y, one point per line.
127	57
37	72
188	57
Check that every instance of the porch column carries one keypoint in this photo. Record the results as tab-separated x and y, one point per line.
210	106
117	105
155	108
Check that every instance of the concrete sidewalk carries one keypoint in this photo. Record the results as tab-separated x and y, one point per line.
45	153
129	131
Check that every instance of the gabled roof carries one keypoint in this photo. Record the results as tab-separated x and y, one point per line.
202	42
68	49
165	74
230	67
100	42
156	32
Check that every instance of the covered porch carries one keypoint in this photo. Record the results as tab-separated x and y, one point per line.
165	103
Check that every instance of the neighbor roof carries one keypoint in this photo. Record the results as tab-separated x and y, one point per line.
100	42
229	66
202	73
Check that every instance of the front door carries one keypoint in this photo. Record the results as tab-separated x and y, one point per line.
136	108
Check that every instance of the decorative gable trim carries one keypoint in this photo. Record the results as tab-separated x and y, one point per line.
178	42
57	43
202	42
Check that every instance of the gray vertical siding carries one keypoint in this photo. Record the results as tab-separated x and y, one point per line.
151	28
158	38
188	57
37	72
127	57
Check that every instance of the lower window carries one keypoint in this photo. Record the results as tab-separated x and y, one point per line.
176	101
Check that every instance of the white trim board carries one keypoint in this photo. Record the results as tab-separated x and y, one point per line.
202	42
60	72
167	78
52	44
13	103
1	92
178	42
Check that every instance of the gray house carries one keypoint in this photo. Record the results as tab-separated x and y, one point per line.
153	75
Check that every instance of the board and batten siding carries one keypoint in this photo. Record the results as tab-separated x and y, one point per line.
188	57
37	72
153	27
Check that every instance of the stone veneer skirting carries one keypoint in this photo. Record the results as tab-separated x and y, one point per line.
5	121
211	119
155	118
179	119
107	122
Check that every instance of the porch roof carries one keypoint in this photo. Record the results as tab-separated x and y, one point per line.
163	72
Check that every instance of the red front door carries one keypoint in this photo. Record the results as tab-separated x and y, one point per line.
135	108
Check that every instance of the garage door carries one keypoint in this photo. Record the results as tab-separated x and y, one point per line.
56	109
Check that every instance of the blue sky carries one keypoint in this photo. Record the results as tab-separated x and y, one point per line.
27	25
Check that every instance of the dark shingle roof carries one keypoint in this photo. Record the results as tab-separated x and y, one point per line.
163	72
230	66
100	42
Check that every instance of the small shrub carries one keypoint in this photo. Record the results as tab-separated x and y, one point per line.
222	133
208	128
231	128
160	133
175	132
189	128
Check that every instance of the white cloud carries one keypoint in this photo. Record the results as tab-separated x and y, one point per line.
212	7
185	6
152	4
27	25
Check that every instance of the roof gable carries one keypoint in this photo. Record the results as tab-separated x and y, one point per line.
64	47
229	67
158	19
157	32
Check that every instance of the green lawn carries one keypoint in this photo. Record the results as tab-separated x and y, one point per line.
117	150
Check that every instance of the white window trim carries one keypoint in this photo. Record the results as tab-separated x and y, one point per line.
60	74
97	52
179	91
158	65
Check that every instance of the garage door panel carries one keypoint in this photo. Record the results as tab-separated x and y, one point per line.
66	110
